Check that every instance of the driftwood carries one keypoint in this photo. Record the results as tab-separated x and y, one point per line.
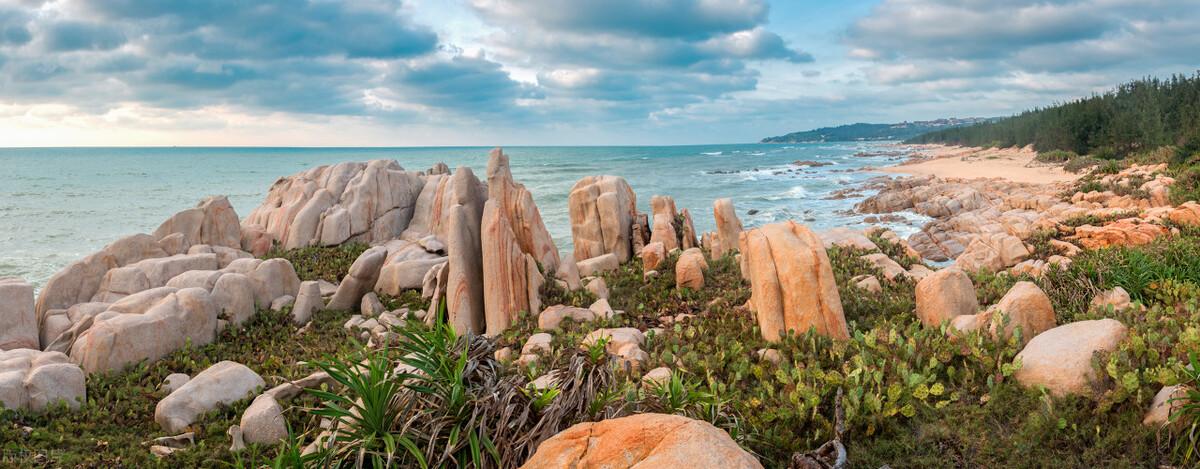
832	454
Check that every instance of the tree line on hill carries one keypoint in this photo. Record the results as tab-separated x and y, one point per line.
1136	116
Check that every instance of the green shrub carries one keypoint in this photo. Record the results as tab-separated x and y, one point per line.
1055	156
320	263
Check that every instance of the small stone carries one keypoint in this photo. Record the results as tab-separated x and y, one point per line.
174	381
598	287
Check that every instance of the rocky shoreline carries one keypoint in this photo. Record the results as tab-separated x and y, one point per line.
478	250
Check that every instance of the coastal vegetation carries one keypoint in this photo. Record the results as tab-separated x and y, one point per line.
1136	116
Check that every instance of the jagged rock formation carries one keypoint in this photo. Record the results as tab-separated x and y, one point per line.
602	211
329	205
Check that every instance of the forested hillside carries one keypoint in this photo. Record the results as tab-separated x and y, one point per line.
1138	115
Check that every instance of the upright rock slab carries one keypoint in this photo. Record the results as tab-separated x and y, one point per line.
663	216
18	321
792	283
516	202
602	210
728	227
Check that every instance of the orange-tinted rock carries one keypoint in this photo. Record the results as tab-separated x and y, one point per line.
689	269
1187	214
662	228
652	255
642	441
792	283
728	227
505	292
1127	232
602	209
944	295
525	219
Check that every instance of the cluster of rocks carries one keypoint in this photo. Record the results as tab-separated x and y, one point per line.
1000	211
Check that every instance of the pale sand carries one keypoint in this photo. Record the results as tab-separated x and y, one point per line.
1012	164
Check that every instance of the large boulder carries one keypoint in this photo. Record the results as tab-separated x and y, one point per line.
221	384
689	269
1027	308
464	270
184	317
79	281
276	278
360	280
944	295
728	227
213	222
369	202
1060	359
34	380
395	277
263	423
602	210
505	292
792	282
847	238
596	265
553	316
18	321
992	252
233	295
642	441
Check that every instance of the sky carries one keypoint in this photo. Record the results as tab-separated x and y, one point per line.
553	72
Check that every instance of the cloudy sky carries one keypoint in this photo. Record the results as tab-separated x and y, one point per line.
489	72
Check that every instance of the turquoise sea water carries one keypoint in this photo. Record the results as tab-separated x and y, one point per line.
59	204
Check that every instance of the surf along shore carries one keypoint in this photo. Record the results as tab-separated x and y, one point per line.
364	284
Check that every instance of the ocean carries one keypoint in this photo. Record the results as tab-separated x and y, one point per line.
60	204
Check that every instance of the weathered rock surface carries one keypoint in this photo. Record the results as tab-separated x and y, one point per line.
1061	358
689	269
662	224
1026	306
34	380
652	255
946	294
115	340
221	384
992	252
598	264
18	320
846	237
364	272
642	441
1167	402
1117	298
553	316
516	203
263	422
792	283
728	227
602	210
369	202
308	302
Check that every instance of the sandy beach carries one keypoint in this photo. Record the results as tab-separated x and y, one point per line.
1012	164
